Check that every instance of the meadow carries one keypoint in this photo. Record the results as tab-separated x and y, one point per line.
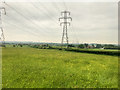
27	67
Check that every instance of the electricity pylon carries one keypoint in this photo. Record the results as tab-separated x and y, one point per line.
2	38
65	18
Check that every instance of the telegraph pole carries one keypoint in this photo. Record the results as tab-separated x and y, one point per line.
65	18
2	38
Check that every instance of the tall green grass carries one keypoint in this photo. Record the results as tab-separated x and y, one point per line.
43	68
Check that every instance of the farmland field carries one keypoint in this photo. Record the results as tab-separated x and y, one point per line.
47	68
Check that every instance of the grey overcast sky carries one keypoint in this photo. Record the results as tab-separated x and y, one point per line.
93	22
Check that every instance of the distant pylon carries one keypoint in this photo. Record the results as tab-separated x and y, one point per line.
65	17
2	38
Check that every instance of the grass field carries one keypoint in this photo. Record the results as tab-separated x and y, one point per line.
42	68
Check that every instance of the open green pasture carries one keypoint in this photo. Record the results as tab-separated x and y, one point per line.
47	68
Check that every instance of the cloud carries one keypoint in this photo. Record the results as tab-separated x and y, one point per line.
92	21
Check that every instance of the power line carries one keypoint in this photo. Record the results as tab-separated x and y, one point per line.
65	5
56	7
26	18
39	14
42	11
48	11
21	28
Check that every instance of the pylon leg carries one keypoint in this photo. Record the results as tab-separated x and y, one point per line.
63	36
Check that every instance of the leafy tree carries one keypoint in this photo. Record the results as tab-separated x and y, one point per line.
99	46
81	46
71	45
14	45
86	45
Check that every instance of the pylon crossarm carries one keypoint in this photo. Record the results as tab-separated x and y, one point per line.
65	18
2	8
70	18
67	23
61	18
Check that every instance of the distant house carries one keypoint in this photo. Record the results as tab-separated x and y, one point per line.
90	46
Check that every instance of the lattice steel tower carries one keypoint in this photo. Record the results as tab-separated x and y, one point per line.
2	38
65	21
